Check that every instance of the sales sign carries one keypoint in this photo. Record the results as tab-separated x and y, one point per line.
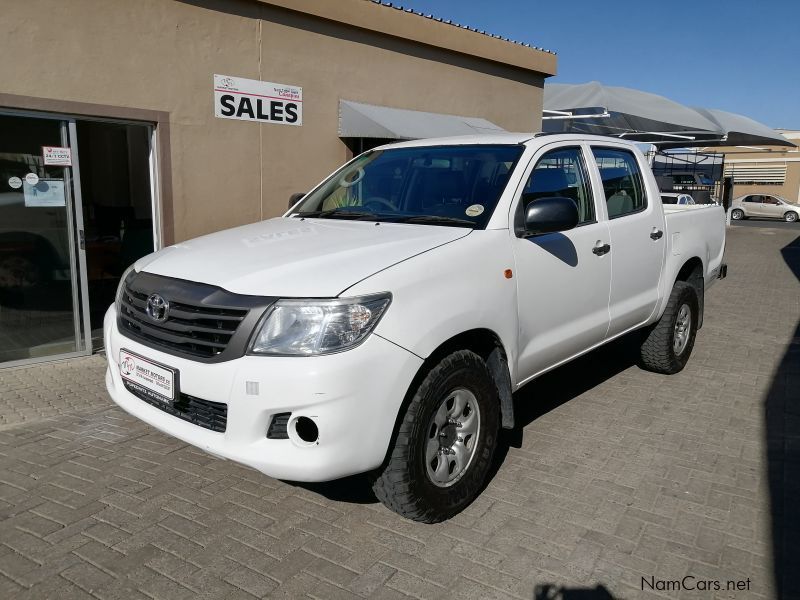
56	155
253	100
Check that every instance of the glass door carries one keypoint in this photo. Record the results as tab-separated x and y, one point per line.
42	293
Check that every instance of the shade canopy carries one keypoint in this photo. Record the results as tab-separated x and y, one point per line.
739	130
633	114
358	120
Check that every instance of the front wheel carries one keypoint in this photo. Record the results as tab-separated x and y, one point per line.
669	343
737	214
790	217
445	442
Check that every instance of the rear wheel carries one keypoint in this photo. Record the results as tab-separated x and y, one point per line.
445	442
737	214
790	217
669	342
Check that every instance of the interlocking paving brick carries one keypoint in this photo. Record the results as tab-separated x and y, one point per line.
614	474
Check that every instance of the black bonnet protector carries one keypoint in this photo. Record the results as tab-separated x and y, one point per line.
191	320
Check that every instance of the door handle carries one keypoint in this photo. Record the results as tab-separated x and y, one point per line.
656	234
601	249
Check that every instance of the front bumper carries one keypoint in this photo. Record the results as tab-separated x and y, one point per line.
353	397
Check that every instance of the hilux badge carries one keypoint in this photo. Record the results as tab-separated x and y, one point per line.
157	308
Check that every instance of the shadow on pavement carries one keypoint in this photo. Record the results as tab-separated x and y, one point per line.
561	385
531	402
782	417
547	591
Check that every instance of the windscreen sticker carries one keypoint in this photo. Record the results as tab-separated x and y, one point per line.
31	178
474	210
14	183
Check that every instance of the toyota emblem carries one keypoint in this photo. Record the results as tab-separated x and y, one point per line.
157	308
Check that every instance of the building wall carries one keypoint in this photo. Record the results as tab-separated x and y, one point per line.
160	55
790	157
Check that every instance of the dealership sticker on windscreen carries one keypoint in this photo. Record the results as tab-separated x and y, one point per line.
14	183
474	210
149	379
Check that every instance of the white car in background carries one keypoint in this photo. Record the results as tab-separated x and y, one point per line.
383	323
680	199
764	206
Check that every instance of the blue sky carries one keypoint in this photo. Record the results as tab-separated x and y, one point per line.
735	55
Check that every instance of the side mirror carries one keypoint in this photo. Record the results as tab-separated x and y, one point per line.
295	198
546	215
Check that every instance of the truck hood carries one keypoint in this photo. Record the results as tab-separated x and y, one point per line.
296	258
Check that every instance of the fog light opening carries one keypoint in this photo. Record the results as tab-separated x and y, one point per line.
306	429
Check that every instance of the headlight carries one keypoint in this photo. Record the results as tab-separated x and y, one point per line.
121	286
311	327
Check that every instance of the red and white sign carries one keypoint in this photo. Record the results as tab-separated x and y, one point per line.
57	156
260	101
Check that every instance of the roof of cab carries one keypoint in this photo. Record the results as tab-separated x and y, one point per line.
500	139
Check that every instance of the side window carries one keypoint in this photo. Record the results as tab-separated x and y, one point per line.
756	199
562	173
622	181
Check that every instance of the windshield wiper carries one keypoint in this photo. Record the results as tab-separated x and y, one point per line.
438	220
338	213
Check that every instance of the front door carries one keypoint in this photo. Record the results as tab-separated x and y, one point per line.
772	207
41	312
562	278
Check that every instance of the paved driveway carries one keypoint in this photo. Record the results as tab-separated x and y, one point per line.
615	475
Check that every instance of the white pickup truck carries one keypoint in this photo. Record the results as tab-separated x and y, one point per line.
383	323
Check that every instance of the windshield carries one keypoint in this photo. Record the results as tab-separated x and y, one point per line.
437	185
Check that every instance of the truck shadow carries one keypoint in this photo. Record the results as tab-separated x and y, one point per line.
561	385
531	402
782	420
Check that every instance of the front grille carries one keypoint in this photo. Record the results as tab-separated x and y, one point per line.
203	322
197	330
203	413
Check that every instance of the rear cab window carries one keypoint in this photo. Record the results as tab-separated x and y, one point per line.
622	179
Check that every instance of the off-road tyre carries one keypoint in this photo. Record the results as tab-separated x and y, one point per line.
402	484
657	352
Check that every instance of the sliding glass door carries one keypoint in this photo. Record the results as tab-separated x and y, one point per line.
42	293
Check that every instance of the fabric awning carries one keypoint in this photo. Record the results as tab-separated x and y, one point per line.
637	115
739	130
358	120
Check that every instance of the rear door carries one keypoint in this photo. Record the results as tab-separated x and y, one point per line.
563	278
637	231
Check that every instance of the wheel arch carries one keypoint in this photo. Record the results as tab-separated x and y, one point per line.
692	272
486	344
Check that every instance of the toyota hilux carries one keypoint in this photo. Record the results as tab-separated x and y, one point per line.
383	323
